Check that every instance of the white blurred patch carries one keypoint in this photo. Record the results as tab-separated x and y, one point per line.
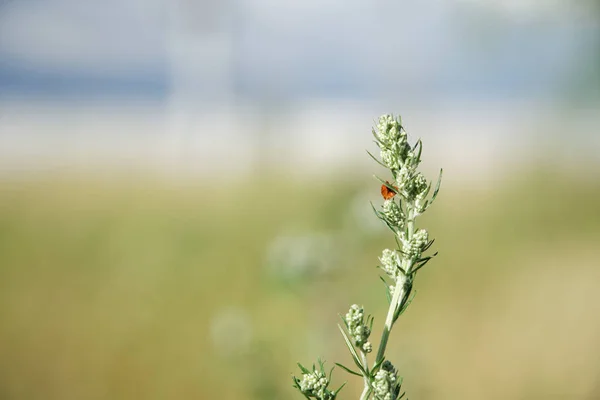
231	332
291	257
361	215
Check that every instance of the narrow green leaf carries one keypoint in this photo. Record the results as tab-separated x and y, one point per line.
437	187
376	160
377	365
426	204
304	370
348	369
404	306
297	386
427	190
353	352
384	183
305	395
374	134
397	242
321	365
389	225
423	262
377	213
343	320
428	245
340	388
420	144
388	295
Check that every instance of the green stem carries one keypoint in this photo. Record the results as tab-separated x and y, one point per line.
399	293
366	390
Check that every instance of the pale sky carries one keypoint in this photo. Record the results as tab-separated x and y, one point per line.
277	49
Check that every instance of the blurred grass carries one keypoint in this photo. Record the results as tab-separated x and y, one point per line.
134	289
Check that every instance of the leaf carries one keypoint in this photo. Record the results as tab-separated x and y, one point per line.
388	295
389	225
343	320
404	306
376	160
374	134
397	242
384	183
353	352
423	262
377	365
304	370
437	187
321	365
297	386
348	370
428	245
377	213
420	144
427	191
340	388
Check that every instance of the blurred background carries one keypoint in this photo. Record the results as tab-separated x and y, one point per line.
184	194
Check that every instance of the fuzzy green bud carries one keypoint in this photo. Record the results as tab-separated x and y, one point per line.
391	263
393	214
386	385
414	247
315	385
392	141
358	329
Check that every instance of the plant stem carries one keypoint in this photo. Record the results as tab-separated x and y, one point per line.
365	393
388	322
398	295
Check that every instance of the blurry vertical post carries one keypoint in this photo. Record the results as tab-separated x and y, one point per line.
201	79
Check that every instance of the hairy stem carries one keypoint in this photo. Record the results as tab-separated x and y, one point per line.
366	390
399	293
389	320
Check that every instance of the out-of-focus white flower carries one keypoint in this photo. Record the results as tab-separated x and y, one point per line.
231	331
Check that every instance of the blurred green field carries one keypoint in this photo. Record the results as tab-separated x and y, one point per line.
145	289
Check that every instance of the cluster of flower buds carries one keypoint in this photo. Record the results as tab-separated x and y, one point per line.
391	263
386	385
314	384
358	328
412	188
393	214
413	248
392	141
402	160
